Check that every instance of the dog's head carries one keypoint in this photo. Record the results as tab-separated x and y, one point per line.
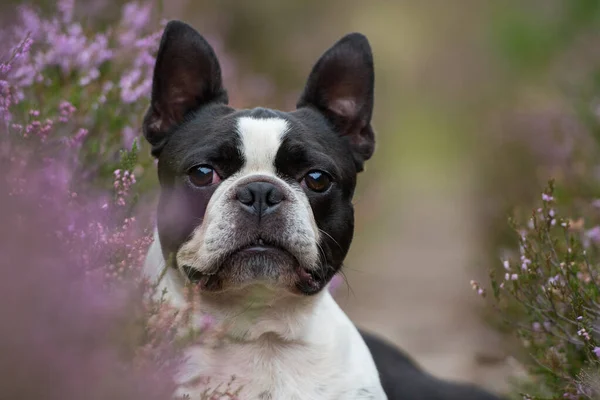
257	196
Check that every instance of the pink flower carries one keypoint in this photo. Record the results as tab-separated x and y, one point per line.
66	8
208	322
136	15
335	283
547	197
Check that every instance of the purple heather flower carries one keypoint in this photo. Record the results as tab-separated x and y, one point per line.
554	280
136	15
128	135
583	332
335	283
547	197
66	9
208	322
596	351
25	47
66	110
79	137
64	325
530	224
593	234
149	42
30	21
525	262
90	77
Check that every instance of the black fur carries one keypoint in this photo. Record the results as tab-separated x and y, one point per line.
187	75
341	86
403	379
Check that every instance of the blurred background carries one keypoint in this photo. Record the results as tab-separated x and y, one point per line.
478	103
447	80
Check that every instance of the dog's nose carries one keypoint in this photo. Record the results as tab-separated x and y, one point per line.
259	197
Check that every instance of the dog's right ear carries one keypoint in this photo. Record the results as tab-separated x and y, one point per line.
187	75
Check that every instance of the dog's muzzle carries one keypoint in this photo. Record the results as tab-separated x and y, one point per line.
260	232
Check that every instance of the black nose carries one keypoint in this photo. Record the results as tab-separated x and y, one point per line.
259	198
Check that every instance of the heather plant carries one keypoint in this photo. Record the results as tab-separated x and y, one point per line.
545	287
74	325
549	293
84	88
79	318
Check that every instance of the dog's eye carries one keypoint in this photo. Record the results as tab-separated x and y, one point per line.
203	175
317	181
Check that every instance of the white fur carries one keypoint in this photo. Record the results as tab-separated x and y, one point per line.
277	345
261	138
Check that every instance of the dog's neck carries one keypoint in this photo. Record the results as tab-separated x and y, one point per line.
278	345
251	313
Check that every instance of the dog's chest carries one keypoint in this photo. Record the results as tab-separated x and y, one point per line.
265	371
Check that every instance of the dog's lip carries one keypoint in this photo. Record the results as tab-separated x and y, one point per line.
261	245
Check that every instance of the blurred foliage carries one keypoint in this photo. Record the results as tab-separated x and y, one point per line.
545	125
548	295
530	34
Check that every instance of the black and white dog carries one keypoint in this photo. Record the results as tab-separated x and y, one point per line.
256	210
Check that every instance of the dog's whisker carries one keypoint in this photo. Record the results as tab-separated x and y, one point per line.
349	290
330	237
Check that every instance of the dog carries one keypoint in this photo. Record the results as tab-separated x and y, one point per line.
255	211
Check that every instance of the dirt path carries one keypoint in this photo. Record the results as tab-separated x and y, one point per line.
410	283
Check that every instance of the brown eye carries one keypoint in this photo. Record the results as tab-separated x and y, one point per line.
317	181
203	175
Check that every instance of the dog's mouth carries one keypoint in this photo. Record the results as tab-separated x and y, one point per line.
261	260
262	246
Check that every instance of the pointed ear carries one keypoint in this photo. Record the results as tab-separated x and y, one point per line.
187	76
341	87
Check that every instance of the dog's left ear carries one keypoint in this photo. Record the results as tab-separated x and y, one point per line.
187	76
341	87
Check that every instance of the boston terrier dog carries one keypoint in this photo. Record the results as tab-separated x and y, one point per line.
256	213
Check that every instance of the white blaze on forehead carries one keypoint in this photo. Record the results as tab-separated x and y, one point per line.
261	138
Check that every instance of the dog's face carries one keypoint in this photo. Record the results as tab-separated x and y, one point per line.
257	196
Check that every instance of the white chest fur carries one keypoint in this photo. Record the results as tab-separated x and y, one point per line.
284	348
